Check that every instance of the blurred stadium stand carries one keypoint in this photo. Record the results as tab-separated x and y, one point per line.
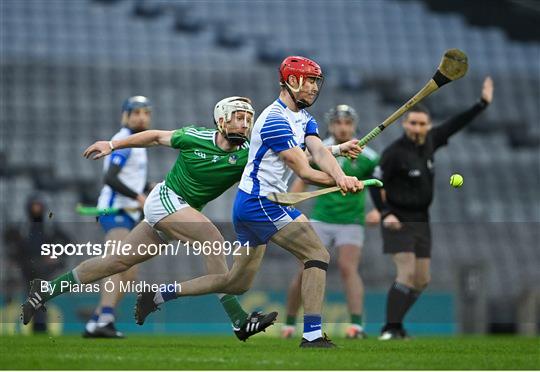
67	65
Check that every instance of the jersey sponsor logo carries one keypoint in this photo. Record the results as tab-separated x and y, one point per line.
200	154
415	173
233	159
215	158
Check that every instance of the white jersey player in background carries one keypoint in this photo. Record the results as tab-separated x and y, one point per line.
125	176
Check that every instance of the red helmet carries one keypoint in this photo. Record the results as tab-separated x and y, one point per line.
302	68
298	66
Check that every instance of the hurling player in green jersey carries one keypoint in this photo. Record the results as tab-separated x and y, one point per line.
209	162
339	221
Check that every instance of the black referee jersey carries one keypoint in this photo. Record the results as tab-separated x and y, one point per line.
407	168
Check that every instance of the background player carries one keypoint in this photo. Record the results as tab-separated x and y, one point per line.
208	164
406	169
338	220
125	179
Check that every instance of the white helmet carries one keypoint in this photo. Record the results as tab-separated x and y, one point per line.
224	109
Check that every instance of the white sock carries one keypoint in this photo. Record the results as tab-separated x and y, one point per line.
158	298
313	335
105	319
91	326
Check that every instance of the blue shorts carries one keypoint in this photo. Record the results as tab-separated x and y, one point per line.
116	221
256	219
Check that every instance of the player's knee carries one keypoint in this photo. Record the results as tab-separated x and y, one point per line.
347	268
238	288
320	254
407	277
422	282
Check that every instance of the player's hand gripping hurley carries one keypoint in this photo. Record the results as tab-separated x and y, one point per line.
297	197
453	66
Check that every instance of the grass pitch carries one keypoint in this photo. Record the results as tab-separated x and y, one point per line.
217	352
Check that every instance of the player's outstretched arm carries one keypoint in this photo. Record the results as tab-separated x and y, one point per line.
147	138
351	149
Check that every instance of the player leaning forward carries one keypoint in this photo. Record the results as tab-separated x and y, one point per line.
209	163
278	140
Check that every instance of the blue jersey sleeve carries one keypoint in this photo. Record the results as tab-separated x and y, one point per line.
120	157
312	128
276	133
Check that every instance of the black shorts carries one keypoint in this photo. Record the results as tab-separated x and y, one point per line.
413	237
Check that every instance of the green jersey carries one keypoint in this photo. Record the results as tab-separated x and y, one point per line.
203	171
349	208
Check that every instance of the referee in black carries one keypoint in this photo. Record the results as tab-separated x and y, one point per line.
406	168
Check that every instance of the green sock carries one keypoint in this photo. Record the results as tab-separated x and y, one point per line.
60	285
234	310
356	319
291	320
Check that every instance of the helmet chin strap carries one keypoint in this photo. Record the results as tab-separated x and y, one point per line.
300	104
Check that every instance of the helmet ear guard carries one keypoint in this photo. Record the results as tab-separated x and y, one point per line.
224	109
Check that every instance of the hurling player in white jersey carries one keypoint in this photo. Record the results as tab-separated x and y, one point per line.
280	135
125	174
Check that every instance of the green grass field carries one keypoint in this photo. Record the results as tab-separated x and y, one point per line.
207	352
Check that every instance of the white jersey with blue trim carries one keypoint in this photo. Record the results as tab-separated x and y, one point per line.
133	162
276	129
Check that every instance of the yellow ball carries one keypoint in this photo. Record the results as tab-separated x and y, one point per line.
456	180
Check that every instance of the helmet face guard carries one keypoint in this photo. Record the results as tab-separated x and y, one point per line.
302	68
225	109
136	102
341	112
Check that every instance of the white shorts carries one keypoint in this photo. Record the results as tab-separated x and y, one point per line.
336	235
161	202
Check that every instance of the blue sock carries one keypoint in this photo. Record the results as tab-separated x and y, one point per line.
169	294
107	310
106	316
94	317
312	326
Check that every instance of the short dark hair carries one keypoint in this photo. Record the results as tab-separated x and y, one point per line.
418	108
